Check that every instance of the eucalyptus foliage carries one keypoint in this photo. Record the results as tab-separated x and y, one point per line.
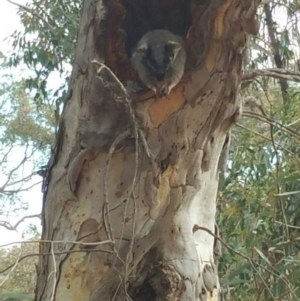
259	205
47	43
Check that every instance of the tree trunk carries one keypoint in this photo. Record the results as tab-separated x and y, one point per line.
132	185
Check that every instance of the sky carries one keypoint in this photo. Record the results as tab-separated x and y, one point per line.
9	21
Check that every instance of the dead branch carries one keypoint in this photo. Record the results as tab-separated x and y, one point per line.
272	72
272	122
269	139
59	242
250	260
275	46
55	253
10	227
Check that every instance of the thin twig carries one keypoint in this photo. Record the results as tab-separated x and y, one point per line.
56	253
10	227
273	122
196	227
132	193
273	72
106	209
102	67
54	272
12	269
290	226
269	139
59	242
128	102
136	133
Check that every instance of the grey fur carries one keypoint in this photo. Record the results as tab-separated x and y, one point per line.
159	60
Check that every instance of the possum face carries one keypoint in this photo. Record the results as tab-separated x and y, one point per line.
159	60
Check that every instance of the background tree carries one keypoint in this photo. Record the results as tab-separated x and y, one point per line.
26	135
258	208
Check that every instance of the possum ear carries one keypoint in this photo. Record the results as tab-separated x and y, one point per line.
175	47
141	49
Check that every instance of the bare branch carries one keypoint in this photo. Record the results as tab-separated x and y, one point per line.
11	173
56	253
5	155
273	72
250	260
10	227
260	48
59	242
6	225
6	277
272	122
25	179
272	271
21	189
54	272
269	139
26	217
106	210
275	45
290	226
265	1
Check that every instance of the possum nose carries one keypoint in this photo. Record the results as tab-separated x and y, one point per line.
160	76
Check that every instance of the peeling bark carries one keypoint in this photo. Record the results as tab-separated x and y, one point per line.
135	215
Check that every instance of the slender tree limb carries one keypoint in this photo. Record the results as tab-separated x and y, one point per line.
20	181
290	226
56	253
266	1
10	227
7	276
250	260
273	72
6	225
138	135
13	170
275	45
82	243
269	139
5	154
259	48
26	217
196	227
273	122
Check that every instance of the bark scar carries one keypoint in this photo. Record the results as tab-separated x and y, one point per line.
75	167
